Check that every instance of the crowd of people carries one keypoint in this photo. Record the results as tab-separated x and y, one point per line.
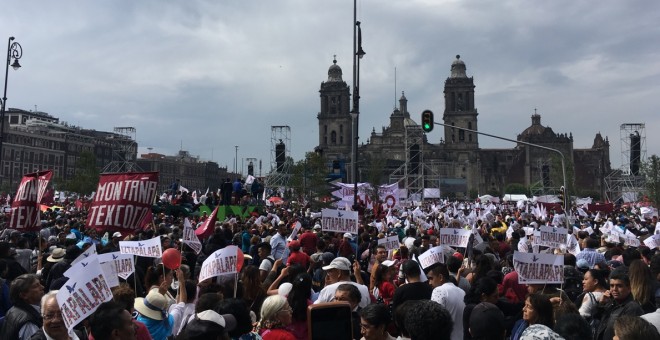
611	289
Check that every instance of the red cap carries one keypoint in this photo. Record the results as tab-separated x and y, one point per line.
295	245
458	256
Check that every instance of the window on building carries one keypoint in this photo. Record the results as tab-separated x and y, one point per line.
470	125
333	138
461	135
341	128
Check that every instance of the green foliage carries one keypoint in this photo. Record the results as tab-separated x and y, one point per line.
516	189
308	180
651	172
87	174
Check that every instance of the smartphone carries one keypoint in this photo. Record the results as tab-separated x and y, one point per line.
330	321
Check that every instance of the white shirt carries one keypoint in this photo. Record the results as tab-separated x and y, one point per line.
451	297
267	265
72	335
327	294
180	312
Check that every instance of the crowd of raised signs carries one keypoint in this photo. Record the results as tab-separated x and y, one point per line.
440	270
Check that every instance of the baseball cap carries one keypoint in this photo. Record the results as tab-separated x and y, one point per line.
348	235
486	319
340	263
317	227
116	234
295	245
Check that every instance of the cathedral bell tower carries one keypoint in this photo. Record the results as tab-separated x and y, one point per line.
459	109
335	129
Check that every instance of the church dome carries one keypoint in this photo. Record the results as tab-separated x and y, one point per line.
409	122
536	128
334	72
458	68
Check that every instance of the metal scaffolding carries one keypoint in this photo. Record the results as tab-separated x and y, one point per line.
625	184
124	151
280	159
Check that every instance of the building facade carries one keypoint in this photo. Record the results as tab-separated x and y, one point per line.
457	165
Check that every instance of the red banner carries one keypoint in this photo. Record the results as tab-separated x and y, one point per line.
25	208
207	228
122	201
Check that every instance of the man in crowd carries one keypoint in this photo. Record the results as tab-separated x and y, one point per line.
619	302
112	322
448	295
24	318
337	273
381	255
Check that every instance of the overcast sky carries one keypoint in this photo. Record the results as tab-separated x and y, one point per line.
208	75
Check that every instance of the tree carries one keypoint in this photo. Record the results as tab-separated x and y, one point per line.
308	179
516	189
651	173
86	177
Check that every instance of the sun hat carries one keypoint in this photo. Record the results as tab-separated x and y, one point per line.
209	322
153	306
340	263
57	255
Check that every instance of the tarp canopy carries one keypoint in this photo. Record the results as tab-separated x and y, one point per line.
514	198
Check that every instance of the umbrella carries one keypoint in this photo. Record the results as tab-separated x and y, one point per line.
276	200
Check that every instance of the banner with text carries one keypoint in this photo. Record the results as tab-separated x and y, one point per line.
552	237
221	262
82	294
455	237
387	194
146	248
124	265
122	201
340	221
85	255
390	242
24	212
190	238
431	257
653	241
295	231
538	268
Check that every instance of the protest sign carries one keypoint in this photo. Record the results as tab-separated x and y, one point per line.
146	248
631	240
538	268
24	211
552	237
82	294
85	255
454	237
122	201
390	242
190	238
221	262
339	221
124	265
653	241
295	231
110	273
431	256
387	194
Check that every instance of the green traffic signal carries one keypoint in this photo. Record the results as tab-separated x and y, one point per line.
427	120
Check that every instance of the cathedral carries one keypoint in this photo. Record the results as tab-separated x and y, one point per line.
456	167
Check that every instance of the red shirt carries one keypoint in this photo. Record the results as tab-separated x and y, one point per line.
308	241
299	258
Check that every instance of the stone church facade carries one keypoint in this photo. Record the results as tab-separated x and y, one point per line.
400	152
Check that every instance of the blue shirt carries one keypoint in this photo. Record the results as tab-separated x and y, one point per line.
591	256
159	329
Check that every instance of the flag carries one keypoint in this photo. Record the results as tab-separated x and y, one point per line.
206	229
24	212
183	189
146	220
190	238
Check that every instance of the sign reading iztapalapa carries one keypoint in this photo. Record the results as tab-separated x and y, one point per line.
339	221
390	242
146	248
431	257
552	237
122	201
455	237
538	268
221	262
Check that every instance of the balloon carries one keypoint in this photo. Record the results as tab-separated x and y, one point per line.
240	258
172	258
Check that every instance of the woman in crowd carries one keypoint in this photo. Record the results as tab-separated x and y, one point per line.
299	298
253	292
159	278
634	328
594	285
276	314
374	320
153	313
642	285
537	310
383	287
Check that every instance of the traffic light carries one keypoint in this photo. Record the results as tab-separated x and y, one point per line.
561	196
427	120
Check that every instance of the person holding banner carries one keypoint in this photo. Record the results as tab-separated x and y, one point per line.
54	328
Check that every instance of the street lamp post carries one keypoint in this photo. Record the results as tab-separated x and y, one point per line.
358	53
236	160
14	51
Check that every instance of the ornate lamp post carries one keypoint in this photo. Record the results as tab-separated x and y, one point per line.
15	52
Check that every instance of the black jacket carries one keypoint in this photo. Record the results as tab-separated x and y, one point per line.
17	316
611	312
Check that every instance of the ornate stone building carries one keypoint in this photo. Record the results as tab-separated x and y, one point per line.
457	165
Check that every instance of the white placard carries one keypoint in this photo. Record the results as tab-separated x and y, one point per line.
221	262
110	274
295	231
390	242
124	265
538	268
190	238
653	241
454	237
86	254
82	294
339	221
552	237
431	257
146	248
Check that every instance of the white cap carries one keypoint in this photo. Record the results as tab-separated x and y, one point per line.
116	234
349	236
